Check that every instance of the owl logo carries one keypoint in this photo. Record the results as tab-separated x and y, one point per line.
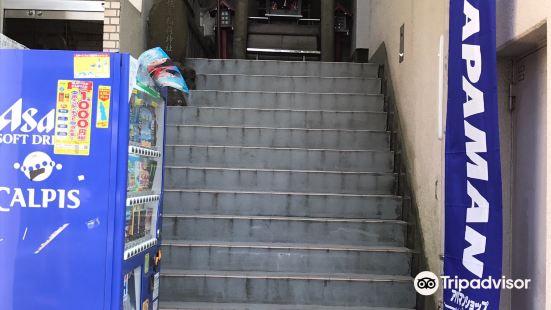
37	166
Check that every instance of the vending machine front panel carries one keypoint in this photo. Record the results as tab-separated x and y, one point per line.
58	178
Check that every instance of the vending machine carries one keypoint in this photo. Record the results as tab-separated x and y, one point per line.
81	169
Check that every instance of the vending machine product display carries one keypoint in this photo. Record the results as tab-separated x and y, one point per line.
81	175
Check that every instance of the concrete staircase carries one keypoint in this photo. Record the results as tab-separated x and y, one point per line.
280	192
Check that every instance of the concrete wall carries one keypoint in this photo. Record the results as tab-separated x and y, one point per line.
416	94
1	15
415	83
133	27
517	17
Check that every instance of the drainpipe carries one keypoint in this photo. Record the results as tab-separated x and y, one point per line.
327	30
218	31
240	30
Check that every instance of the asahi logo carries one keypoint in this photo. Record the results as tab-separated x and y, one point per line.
19	126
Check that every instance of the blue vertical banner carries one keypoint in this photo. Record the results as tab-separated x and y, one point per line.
473	234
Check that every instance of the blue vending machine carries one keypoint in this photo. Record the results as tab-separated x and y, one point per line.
81	168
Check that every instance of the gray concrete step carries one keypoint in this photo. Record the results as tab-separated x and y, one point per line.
289	83
287	100
269	180
283	204
281	28
274	257
262	42
284	230
278	137
233	306
287	288
221	116
279	158
289	68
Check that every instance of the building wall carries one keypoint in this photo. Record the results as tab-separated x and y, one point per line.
133	27
517	17
125	27
111	26
1	15
415	83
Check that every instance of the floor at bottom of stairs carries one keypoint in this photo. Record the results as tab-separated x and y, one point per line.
225	306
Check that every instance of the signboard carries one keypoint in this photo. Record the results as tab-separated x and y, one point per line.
73	118
473	236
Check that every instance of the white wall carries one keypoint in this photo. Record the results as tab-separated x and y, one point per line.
415	83
528	255
517	17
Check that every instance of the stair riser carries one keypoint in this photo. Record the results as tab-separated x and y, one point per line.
279	181
272	118
281	42
286	260
288	84
269	137
251	204
297	68
249	230
243	306
258	158
302	101
284	291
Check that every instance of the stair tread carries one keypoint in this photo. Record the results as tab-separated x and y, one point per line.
279	137
193	190
273	109
276	193
292	76
278	170
286	275
234	306
283	218
294	246
278	128
283	92
278	148
282	61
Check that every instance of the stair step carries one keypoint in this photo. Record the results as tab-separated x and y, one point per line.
288	83
248	203
283	44
278	137
186	177
289	68
279	158
220	116
232	306
254	54
229	228
280	28
272	257
287	100
288	288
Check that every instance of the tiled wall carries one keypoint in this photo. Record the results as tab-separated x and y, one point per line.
111	26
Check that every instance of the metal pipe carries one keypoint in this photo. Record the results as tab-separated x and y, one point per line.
218	28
